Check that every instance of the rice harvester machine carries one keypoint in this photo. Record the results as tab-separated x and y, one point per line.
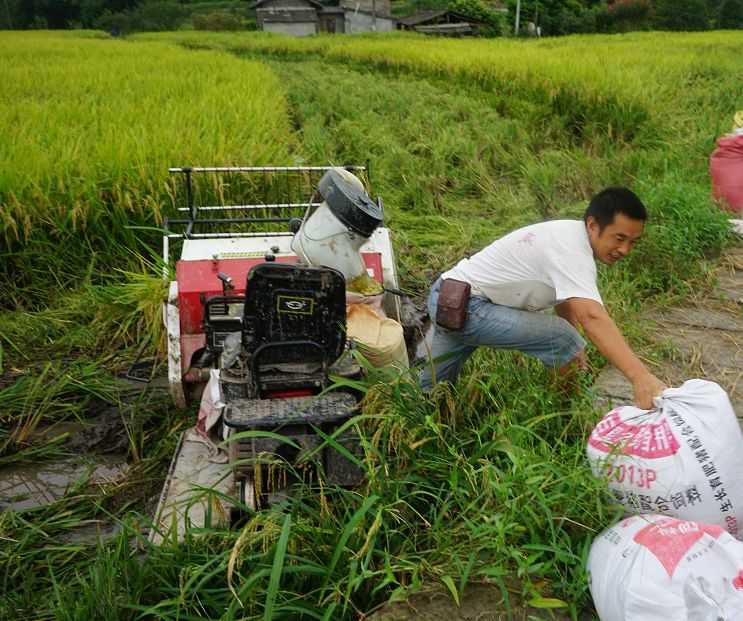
257	309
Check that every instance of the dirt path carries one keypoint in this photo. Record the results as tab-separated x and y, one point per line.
703	339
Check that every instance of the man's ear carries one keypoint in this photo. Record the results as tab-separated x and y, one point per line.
592	226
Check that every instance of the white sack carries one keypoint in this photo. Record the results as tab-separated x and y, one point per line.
684	459
656	568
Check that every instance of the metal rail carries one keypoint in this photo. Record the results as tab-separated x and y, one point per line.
244	201
276	195
189	169
255	206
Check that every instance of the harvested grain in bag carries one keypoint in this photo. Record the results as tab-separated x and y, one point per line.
379	338
684	459
657	568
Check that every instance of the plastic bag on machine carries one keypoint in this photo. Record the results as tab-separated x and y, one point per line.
208	424
683	459
656	568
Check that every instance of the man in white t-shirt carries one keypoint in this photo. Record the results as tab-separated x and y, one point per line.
550	264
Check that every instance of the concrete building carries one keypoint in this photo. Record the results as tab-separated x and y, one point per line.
300	18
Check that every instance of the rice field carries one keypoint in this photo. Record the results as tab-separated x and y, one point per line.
609	88
90	126
486	483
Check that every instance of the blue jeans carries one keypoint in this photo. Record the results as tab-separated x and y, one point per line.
545	336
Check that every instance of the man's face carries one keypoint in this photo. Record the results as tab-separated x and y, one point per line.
616	240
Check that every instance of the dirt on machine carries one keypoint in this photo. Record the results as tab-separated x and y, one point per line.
280	273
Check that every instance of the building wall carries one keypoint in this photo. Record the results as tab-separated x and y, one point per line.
381	7
295	29
361	22
297	18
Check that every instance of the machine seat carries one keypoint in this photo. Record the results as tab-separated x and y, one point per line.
291	375
246	414
293	338
294	314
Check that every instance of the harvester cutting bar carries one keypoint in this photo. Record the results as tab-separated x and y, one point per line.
260	168
252	207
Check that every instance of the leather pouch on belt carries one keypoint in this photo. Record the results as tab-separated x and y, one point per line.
451	309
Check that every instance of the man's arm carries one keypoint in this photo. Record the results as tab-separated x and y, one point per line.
605	335
564	311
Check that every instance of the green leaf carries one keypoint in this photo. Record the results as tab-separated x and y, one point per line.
547	602
447	580
277	568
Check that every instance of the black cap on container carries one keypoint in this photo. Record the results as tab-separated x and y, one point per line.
351	206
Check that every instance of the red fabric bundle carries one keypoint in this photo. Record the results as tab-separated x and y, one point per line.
726	170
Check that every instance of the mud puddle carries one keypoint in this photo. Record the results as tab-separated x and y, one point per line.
29	485
95	456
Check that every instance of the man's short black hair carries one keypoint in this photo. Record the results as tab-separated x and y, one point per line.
611	201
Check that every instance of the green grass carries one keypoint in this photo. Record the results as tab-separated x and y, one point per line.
485	482
472	485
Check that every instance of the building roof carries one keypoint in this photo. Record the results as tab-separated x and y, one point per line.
419	17
458	28
437	18
324	8
261	4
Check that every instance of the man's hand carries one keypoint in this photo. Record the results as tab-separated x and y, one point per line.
604	334
645	388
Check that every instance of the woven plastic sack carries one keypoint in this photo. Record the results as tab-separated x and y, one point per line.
684	459
726	171
379	338
656	568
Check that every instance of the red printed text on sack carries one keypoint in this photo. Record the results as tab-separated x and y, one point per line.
669	539
649	440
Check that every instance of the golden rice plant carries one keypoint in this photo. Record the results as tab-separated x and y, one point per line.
90	124
678	86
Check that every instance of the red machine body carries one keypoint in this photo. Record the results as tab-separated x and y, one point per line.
200	277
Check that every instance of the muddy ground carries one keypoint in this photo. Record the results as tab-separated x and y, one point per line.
479	602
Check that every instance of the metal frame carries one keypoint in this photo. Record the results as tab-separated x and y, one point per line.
271	212
190	224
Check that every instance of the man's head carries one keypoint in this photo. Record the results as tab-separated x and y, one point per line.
614	219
